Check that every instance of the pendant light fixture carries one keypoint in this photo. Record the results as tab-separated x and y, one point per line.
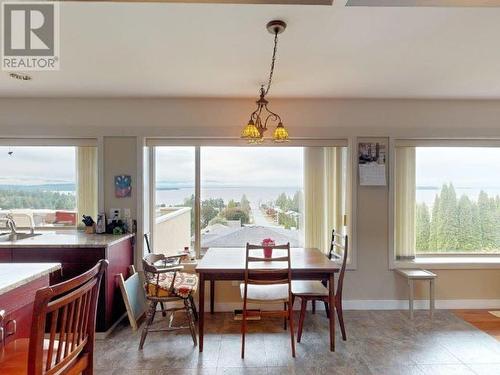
263	116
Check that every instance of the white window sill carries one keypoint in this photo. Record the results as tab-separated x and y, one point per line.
451	262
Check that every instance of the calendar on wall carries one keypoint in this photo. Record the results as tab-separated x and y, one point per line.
371	163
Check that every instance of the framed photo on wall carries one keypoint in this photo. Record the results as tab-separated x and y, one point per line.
123	186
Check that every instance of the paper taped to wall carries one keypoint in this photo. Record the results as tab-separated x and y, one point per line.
372	174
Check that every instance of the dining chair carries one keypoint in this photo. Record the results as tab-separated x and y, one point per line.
166	285
318	291
267	280
168	262
62	329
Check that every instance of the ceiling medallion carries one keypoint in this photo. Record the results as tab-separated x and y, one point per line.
262	116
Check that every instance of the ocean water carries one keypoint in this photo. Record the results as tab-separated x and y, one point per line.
255	195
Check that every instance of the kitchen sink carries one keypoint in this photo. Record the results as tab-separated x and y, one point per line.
7	237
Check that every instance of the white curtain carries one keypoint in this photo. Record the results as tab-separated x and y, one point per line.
404	223
86	180
324	194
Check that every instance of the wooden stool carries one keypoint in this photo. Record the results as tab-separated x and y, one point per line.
418	274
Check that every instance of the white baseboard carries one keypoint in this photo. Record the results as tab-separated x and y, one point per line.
454	304
444	304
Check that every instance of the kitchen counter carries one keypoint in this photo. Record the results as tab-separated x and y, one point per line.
67	239
15	275
19	283
78	252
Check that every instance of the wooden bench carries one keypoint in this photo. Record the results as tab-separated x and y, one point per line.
417	274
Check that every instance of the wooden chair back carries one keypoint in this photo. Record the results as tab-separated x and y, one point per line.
148	246
68	312
280	273
149	260
339	244
153	274
275	270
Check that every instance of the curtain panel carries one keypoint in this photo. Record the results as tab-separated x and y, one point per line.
324	194
86	180
405	189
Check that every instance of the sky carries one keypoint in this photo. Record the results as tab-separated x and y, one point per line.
477	167
37	165
249	166
232	166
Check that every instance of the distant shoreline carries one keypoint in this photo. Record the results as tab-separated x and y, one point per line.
72	187
168	188
68	187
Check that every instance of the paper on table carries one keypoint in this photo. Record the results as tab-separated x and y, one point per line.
372	174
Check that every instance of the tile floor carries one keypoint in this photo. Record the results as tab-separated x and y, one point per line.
379	342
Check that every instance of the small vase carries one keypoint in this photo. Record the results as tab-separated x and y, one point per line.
268	252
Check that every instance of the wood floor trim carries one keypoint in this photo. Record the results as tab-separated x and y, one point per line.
483	320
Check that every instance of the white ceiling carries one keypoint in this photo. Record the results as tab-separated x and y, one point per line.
223	50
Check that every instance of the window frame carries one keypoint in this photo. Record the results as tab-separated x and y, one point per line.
65	142
197	143
435	260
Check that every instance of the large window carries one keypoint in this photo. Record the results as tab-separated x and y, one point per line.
174	218
223	197
53	186
453	197
249	194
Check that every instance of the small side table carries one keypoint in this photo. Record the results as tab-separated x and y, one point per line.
417	274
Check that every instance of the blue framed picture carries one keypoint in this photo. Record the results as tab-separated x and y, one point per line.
123	186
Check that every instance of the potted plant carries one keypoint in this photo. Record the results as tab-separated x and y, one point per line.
267	245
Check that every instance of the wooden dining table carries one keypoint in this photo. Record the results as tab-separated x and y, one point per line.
228	264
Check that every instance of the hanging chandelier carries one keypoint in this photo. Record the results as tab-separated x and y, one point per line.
263	116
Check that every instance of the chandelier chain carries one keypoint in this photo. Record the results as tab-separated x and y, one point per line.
262	116
273	61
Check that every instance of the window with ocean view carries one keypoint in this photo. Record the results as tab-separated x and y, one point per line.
174	227
250	194
39	182
456	200
246	195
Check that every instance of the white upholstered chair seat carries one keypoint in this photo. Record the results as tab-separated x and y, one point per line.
301	287
263	293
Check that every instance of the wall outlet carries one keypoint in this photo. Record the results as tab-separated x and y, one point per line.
126	213
112	212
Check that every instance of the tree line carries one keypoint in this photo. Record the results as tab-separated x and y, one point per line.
214	210
458	224
289	207
36	199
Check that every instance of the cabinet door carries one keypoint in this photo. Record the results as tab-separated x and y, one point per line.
60	255
18	304
5	255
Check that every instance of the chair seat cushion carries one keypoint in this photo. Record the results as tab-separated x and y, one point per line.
310	288
274	293
185	284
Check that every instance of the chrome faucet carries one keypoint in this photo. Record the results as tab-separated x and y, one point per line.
9	223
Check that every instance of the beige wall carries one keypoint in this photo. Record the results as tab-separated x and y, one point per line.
120	121
120	158
316	118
